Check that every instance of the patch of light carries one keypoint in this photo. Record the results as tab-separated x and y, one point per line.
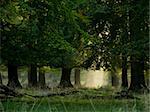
89	42
100	35
106	33
95	78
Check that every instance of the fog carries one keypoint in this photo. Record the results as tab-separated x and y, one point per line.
94	78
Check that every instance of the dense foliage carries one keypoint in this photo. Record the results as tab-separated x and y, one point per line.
77	33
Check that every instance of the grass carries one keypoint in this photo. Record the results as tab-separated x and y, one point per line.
79	102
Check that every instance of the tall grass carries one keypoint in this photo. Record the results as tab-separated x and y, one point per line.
86	100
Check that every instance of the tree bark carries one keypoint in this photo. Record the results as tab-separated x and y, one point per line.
13	81
42	82
77	77
114	79
32	76
65	78
1	82
147	73
137	74
124	72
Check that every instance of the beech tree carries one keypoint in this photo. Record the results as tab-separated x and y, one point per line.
139	41
1	79
32	76
41	80
10	44
77	77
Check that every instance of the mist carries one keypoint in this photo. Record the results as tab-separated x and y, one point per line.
94	78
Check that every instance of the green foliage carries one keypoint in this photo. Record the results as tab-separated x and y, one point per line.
111	32
72	33
41	32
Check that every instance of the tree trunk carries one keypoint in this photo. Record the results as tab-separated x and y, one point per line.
1	82
137	74
77	77
147	73
114	79
32	76
65	78
13	77
124	72
42	82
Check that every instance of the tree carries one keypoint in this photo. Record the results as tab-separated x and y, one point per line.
10	20
125	40
1	79
114	78
65	78
124	72
32	76
13	76
42	83
139	38
77	77
75	34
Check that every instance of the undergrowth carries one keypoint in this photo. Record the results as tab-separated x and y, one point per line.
79	102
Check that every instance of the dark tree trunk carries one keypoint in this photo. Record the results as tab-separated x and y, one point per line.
32	76
114	79
137	74
42	82
13	81
1	82
124	72
77	77
65	78
147	73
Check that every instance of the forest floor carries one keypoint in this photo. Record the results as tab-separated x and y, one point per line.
78	100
